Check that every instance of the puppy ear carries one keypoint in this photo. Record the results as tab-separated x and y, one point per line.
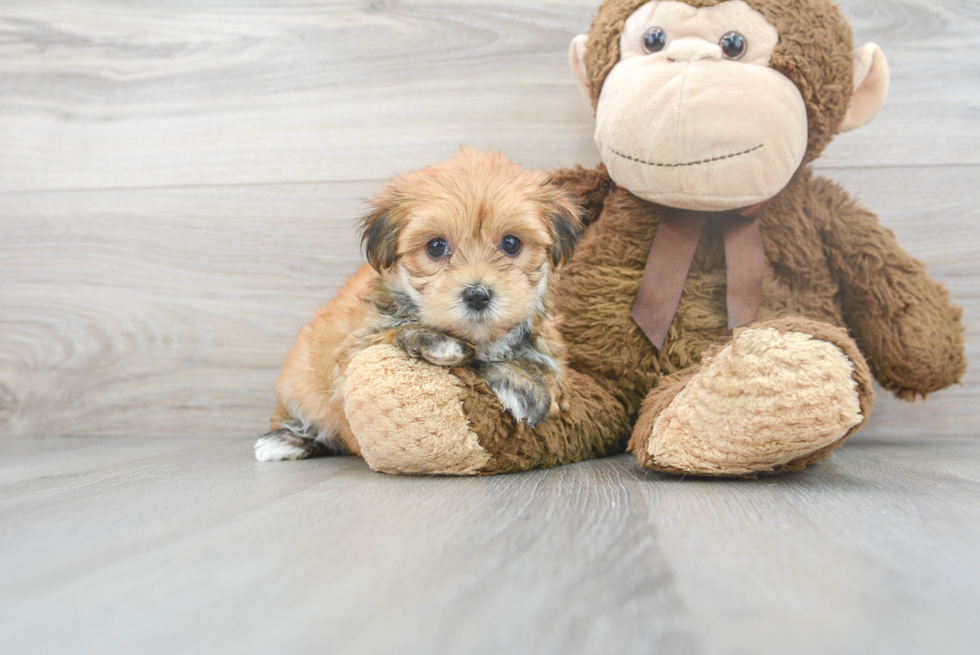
379	237
565	218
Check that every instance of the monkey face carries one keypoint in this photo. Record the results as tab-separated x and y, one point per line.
715	104
692	116
471	243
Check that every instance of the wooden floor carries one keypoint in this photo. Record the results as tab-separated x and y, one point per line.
178	184
156	545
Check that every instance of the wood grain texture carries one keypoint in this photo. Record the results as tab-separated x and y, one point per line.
119	94
159	250
159	312
163	545
178	187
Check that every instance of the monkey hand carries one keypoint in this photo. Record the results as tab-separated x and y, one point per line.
909	330
409	416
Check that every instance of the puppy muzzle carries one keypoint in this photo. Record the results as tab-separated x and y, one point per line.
477	297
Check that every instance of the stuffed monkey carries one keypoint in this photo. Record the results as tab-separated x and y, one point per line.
725	311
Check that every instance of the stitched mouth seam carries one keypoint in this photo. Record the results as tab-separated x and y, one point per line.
691	163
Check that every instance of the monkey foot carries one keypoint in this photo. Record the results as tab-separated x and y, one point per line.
771	399
407	415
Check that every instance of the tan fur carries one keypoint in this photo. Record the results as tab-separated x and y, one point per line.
311	383
472	202
727	133
835	280
763	400
408	416
814	51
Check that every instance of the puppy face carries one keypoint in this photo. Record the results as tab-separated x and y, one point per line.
471	242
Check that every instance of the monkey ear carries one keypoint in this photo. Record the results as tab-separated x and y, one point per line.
870	87
379	237
565	219
576	59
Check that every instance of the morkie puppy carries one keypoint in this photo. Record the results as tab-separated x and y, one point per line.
461	260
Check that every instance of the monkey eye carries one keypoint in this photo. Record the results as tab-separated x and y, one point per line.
511	245
654	40
437	248
733	45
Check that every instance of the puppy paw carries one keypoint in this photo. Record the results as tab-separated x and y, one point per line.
283	445
529	406
434	347
527	396
295	441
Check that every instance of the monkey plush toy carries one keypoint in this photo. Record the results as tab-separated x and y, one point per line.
725	310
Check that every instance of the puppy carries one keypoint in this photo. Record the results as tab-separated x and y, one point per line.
461	259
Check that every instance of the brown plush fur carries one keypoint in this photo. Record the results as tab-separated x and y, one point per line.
816	270
592	425
830	268
590	186
668	389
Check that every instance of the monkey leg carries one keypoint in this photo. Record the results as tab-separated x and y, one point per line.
412	417
778	396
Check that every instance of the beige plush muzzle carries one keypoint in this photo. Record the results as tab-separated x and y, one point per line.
700	132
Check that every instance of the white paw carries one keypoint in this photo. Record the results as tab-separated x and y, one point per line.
528	407
272	449
448	352
512	403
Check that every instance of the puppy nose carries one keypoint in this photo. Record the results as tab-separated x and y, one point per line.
477	297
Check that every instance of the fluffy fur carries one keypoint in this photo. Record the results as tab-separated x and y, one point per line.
435	238
834	278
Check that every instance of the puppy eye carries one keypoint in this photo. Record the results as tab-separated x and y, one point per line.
437	248
733	45
511	245
654	40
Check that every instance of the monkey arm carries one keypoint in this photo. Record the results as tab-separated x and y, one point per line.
589	186
901	317
411	417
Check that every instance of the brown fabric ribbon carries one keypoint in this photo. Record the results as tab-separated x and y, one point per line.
670	260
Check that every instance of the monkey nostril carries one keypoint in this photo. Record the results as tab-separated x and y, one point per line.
477	297
691	50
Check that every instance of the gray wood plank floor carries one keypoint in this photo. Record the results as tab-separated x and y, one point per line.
175	545
178	184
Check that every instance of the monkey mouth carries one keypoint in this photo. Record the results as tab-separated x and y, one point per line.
690	163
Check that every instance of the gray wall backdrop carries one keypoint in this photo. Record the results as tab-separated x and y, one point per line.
179	180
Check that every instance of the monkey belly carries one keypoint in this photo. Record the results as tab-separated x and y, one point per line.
598	289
